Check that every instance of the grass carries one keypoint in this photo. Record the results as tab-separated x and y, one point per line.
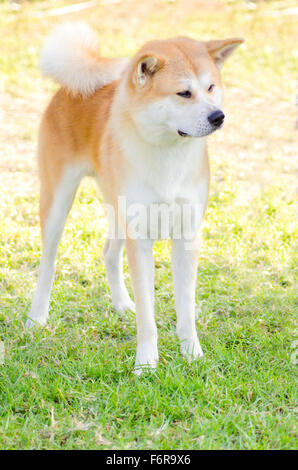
70	385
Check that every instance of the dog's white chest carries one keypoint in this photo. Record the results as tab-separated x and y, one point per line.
167	172
167	192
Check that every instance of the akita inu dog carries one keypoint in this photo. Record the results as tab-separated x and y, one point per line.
139	126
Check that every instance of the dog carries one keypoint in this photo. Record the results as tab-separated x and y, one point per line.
139	126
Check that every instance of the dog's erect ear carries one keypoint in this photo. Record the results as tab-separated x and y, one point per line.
220	50
145	68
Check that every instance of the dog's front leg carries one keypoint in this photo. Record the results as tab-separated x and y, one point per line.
185	263
141	265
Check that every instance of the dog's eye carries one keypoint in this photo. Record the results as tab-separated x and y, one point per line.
184	94
211	88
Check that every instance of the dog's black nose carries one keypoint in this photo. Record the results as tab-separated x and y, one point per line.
216	118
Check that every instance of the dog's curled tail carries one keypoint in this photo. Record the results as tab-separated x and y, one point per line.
71	57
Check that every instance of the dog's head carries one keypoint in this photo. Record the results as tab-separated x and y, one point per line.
174	88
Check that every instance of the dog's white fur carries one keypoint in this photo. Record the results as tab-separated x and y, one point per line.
70	56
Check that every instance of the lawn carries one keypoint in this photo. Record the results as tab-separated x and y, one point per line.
70	384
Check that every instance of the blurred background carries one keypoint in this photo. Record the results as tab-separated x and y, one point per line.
246	283
256	146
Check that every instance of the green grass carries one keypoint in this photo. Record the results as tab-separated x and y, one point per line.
70	385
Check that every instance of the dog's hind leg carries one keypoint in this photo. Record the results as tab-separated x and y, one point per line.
56	198
113	255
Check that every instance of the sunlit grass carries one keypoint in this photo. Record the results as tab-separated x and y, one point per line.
70	384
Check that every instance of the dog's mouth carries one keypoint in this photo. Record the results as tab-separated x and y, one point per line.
204	132
183	134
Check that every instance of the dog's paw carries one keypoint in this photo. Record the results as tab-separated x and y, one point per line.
146	359
34	322
191	349
143	369
125	304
